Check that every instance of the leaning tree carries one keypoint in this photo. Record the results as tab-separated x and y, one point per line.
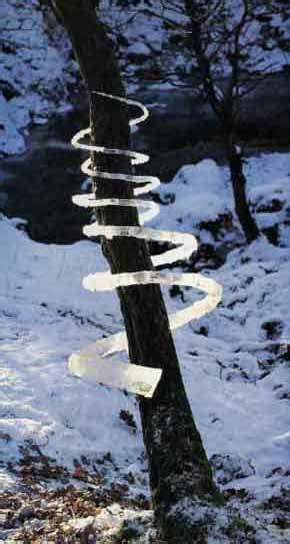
180	474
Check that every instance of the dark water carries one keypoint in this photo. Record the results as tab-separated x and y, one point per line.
38	185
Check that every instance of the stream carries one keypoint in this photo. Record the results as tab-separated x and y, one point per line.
37	186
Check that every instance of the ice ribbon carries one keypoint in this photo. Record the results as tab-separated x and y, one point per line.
92	362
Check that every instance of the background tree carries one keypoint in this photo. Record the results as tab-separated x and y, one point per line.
224	99
226	47
230	41
178	467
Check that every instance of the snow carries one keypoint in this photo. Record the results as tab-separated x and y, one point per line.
237	411
144	31
38	76
10	138
41	322
139	48
236	377
35	69
241	410
194	201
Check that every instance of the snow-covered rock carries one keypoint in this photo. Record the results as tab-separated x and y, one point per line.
231	467
36	70
193	201
138	49
11	140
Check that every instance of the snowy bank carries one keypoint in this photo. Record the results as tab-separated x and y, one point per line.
235	361
36	70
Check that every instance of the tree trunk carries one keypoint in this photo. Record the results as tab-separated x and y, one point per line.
238	179
223	108
178	467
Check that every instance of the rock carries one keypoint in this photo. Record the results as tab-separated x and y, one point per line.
128	418
138	52
4	516
8	90
272	329
25	512
5	436
37	525
231	467
11	141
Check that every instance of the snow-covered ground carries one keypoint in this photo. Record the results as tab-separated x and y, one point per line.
235	361
36	70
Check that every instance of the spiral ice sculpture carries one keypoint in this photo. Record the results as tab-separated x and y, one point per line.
93	362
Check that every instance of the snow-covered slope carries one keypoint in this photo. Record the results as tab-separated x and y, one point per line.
36	70
45	314
195	204
235	361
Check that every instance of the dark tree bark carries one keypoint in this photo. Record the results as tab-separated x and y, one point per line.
224	110
239	182
178	466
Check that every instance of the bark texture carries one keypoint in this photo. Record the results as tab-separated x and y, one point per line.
178	465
